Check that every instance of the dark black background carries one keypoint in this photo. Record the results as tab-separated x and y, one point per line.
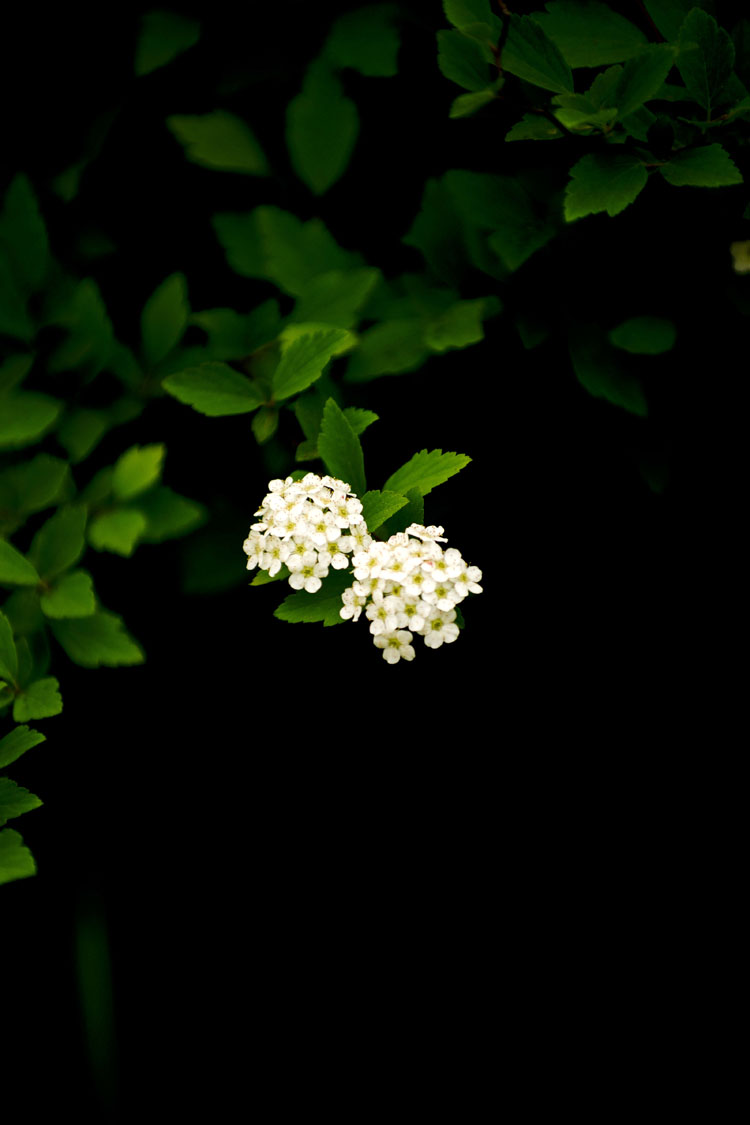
319	872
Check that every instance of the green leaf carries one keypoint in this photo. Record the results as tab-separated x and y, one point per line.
360	419
98	640
322	125
606	181
365	40
335	297
426	470
323	606
437	233
25	417
17	742
589	33
668	15
391	348
60	542
305	355
263	578
117	531
707	166
24	235
377	507
467	104
137	469
597	369
340	448
460	324
462	13
164	319
72	595
642	77
705	58
464	60
412	512
531	54
90	341
234	336
32	486
219	140
14	370
81	430
15	570
24	612
274	244
533	127
14	318
40	700
16	861
14	801
500	204
577	112
168	515
163	36
644	335
214	389
265	424
8	653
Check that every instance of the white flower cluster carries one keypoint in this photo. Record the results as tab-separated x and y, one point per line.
310	525
408	585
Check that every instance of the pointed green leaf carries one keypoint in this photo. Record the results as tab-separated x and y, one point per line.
168	515
378	506
16	861
25	417
164	319
219	140
137	469
23	233
668	15
39	700
606	181
17	742
464	60
234	336
391	348
90	342
467	104
14	370
589	33
644	335
335	297
325	605
321	129
32	486
365	40
118	530
642	77
8	654
304	356
597	369
531	54
265	424
705	58
60	542
340	448
15	570
460	324
71	595
463	13
98	640
706	166
241	238
533	127
214	389
81	430
359	419
426	470
163	36
15	800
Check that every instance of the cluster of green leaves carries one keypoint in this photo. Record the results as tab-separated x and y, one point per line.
641	108
55	331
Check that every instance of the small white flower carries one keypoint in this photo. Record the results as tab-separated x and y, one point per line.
396	646
439	629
